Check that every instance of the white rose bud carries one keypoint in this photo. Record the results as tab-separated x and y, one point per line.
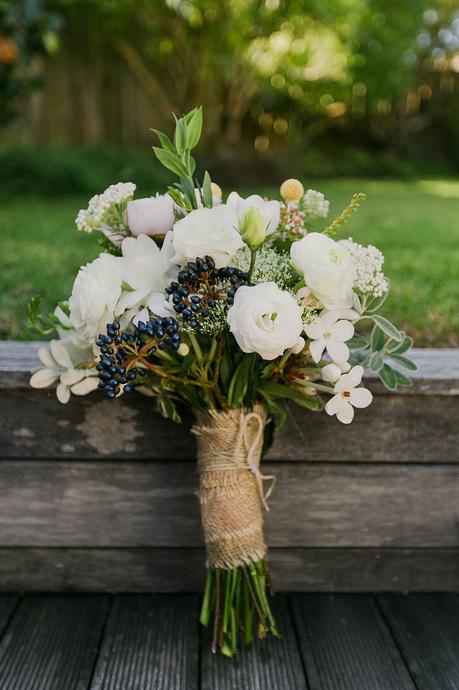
270	210
151	216
207	232
327	267
253	228
266	320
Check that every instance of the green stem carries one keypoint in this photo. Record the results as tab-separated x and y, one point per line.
253	258
204	618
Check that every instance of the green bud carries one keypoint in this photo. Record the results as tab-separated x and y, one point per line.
253	228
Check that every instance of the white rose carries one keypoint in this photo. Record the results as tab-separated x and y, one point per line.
266	319
151	216
95	292
207	231
327	267
269	209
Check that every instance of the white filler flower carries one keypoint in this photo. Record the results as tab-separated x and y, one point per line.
266	319
327	267
151	216
146	270
330	331
207	231
270	210
332	372
61	362
93	217
315	204
347	396
368	262
96	290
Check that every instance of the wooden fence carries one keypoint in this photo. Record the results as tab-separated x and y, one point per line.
100	496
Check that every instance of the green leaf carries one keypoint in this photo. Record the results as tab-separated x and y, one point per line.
377	339
358	342
376	303
240	381
171	161
403	380
277	390
207	190
399	348
376	362
180	136
388	328
389	377
194	128
404	362
164	140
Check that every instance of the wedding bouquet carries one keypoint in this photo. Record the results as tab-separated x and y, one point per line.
230	308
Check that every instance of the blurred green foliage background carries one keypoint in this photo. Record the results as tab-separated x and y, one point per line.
322	90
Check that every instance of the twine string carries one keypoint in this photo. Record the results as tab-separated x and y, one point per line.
253	455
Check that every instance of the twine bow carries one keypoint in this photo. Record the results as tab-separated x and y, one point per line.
253	454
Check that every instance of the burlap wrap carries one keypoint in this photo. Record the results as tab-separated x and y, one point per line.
231	485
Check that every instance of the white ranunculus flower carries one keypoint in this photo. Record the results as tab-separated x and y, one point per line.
64	361
151	216
96	290
347	396
266	320
330	331
327	267
270	210
146	269
207	231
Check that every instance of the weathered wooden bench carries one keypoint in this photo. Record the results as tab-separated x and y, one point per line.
100	496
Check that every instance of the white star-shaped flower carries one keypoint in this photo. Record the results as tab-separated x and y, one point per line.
330	331
347	396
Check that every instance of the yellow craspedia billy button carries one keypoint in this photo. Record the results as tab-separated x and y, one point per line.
292	190
216	189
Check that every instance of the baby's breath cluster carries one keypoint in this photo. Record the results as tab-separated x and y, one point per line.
368	262
270	266
101	205
315	204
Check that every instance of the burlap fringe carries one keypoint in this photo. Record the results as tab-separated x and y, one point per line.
231	485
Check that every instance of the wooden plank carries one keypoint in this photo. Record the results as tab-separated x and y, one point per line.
51	643
150	643
438	368
426	627
182	570
129	504
346	645
394	428
271	663
7	605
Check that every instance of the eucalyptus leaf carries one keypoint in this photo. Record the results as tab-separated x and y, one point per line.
388	328
403	380
376	362
358	342
376	303
377	339
399	348
170	161
389	377
403	361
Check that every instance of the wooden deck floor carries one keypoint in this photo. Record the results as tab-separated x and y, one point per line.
153	642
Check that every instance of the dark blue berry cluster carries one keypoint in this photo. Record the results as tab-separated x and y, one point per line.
121	351
200	285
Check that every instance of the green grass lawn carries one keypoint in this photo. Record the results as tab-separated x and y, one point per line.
414	223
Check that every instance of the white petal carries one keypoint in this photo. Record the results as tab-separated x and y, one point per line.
345	412
354	377
338	351
60	354
315	329
299	345
360	397
342	330
128	300
86	386
142	315
331	373
72	376
333	405
43	378
46	358
63	393
158	304
316	348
